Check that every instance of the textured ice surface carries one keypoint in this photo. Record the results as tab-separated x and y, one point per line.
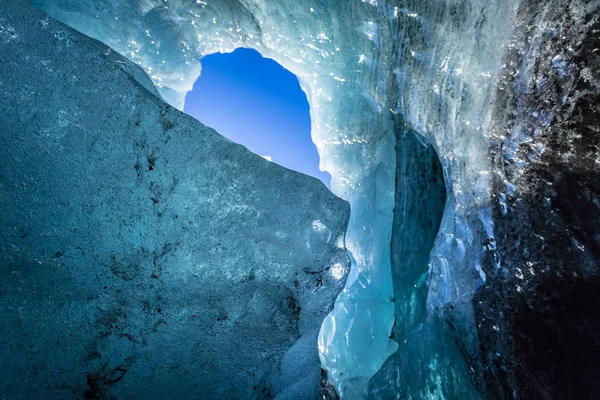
538	314
505	92
142	255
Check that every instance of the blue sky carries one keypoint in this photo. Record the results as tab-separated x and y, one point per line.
256	102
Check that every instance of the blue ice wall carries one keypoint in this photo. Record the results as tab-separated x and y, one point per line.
143	255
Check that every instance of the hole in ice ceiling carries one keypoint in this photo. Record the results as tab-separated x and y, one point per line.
256	102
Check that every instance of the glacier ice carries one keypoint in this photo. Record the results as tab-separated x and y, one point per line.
142	254
506	94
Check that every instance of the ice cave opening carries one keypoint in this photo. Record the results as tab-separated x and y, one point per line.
256	102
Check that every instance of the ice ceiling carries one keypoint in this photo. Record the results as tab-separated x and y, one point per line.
371	70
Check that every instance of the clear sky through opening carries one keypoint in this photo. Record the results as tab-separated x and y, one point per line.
256	102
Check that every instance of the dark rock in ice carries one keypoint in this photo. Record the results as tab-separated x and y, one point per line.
142	255
539	312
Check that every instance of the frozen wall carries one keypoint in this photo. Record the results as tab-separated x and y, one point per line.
537	315
483	82
143	255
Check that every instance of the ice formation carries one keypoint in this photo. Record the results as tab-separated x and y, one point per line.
343	66
142	254
505	94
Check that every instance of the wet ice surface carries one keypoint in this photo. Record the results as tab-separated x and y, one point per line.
142	254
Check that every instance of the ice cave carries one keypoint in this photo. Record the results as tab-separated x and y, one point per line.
454	255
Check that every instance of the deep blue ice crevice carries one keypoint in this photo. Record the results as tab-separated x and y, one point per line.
428	363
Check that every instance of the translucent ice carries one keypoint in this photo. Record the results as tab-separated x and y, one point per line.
344	72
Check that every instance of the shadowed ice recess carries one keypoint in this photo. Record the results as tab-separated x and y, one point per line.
443	124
